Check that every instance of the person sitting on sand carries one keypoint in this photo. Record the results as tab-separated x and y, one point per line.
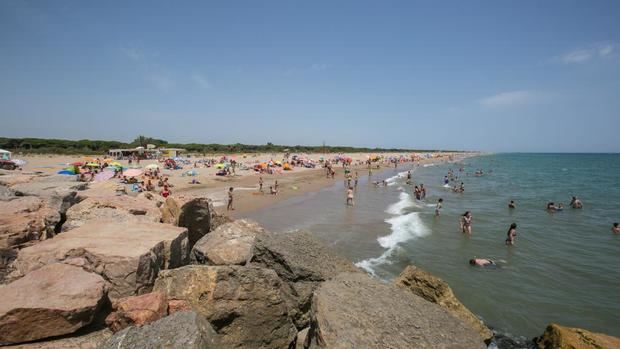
465	223
576	203
149	186
511	204
438	207
481	262
616	228
194	181
160	183
350	197
512	233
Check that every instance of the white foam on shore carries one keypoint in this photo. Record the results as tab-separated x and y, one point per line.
404	227
399	207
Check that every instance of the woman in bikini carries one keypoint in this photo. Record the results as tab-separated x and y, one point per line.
466	223
512	233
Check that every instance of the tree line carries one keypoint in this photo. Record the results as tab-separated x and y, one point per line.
99	147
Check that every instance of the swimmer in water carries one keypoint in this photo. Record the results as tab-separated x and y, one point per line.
511	204
481	262
575	203
616	228
438	207
465	223
512	233
551	207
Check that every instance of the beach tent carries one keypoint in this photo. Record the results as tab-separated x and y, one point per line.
5	155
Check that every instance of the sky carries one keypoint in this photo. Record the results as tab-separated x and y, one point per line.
498	76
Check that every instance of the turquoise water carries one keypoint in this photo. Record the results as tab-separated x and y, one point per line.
564	267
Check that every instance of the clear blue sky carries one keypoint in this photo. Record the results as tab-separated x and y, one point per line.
485	75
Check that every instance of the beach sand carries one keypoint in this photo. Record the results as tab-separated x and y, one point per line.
247	198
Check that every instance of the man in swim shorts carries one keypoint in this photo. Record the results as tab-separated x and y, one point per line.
481	262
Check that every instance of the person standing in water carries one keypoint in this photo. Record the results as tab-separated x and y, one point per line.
350	197
575	203
511	204
512	233
260	184
357	177
438	207
465	223
230	199
408	177
422	192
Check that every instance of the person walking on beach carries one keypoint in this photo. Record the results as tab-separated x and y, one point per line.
512	233
260	184
465	223
230	199
350	197
575	203
438	207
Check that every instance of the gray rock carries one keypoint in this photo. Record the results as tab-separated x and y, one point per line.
229	244
91	340
354	310
302	262
196	215
244	304
186	330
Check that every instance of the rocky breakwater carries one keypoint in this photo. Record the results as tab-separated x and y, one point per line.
33	208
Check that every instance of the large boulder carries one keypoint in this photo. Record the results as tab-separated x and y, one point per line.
196	215
51	301
354	310
118	208
244	304
137	310
22	220
435	290
128	256
58	194
186	330
170	211
89	340
560	337
302	262
229	244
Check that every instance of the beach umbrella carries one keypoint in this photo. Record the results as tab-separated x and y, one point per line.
92	164
132	172
66	172
77	163
103	176
116	164
152	166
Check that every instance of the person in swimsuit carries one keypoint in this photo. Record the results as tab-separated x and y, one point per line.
230	199
422	192
481	262
260	184
551	207
512	233
511	204
357	177
438	207
616	228
417	193
576	203
350	197
408	177
466	223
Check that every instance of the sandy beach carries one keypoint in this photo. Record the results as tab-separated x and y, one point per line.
247	197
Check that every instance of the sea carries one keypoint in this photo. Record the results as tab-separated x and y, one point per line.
563	268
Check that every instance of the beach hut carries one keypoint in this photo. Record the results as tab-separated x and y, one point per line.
5	155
